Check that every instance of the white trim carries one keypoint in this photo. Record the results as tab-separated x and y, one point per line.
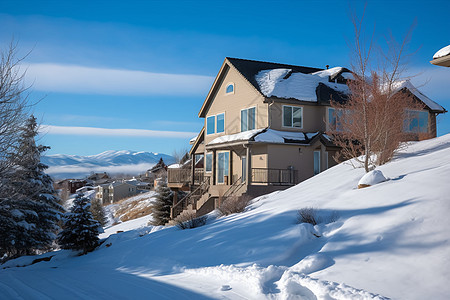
212	160
227	85
224	122
292	117
256	118
206	125
217	167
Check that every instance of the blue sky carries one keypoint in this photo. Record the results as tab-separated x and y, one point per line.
146	66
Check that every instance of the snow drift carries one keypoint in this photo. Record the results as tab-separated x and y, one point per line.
389	241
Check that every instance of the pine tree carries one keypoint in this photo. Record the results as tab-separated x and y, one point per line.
80	230
34	208
98	212
162	205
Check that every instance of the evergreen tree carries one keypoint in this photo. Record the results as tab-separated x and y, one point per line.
80	230
98	212
34	208
161	207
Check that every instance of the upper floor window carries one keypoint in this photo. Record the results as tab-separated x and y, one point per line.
248	119
334	116
220	123
292	116
210	125
416	121
230	88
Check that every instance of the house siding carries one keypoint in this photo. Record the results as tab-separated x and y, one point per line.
244	96
313	117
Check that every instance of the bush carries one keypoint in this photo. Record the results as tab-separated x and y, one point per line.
234	204
189	220
309	215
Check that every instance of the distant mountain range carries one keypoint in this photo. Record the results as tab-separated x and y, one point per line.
112	162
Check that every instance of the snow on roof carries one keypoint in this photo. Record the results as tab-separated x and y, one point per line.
427	101
191	141
174	166
241	136
298	85
442	52
265	136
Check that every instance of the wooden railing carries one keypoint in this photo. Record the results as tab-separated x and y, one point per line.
274	176
184	176
190	198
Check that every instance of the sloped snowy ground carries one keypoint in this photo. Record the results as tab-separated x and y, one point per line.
391	239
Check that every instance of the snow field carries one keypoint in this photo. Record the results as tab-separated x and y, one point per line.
390	240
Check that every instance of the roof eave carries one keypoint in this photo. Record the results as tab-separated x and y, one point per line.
441	61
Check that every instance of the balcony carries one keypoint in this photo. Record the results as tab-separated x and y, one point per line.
267	176
178	178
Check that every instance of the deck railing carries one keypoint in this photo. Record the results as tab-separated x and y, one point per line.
184	176
274	176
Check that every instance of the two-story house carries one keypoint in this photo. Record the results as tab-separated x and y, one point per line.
264	130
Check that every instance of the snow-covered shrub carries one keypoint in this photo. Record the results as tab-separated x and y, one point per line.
80	229
189	219
311	216
308	215
234	204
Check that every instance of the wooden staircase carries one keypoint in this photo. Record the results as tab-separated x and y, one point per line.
190	201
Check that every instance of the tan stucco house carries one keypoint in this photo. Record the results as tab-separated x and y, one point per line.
264	130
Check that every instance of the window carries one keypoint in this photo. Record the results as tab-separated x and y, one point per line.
230	88
248	119
220	123
292	116
316	162
244	169
222	167
333	119
208	162
210	125
416	121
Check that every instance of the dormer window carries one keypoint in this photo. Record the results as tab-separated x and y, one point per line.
230	89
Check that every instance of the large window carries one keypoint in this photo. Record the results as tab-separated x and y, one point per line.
248	119
416	121
210	125
220	123
208	162
292	116
222	167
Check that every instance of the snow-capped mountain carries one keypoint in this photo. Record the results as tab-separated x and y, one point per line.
124	161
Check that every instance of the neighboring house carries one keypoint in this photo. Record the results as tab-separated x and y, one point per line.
264	130
70	185
115	191
442	57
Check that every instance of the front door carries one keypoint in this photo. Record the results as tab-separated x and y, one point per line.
222	167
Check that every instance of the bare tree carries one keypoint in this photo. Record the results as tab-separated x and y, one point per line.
371	122
13	102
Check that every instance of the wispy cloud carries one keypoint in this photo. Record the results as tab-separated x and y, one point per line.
95	131
86	80
80	171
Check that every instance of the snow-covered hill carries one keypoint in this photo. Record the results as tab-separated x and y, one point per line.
390	240
125	161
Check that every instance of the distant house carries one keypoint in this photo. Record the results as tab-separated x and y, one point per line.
442	57
70	185
98	176
264	130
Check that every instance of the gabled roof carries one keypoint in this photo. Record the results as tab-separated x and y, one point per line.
442	57
293	82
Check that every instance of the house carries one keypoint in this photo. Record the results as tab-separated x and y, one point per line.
264	130
115	191
442	57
